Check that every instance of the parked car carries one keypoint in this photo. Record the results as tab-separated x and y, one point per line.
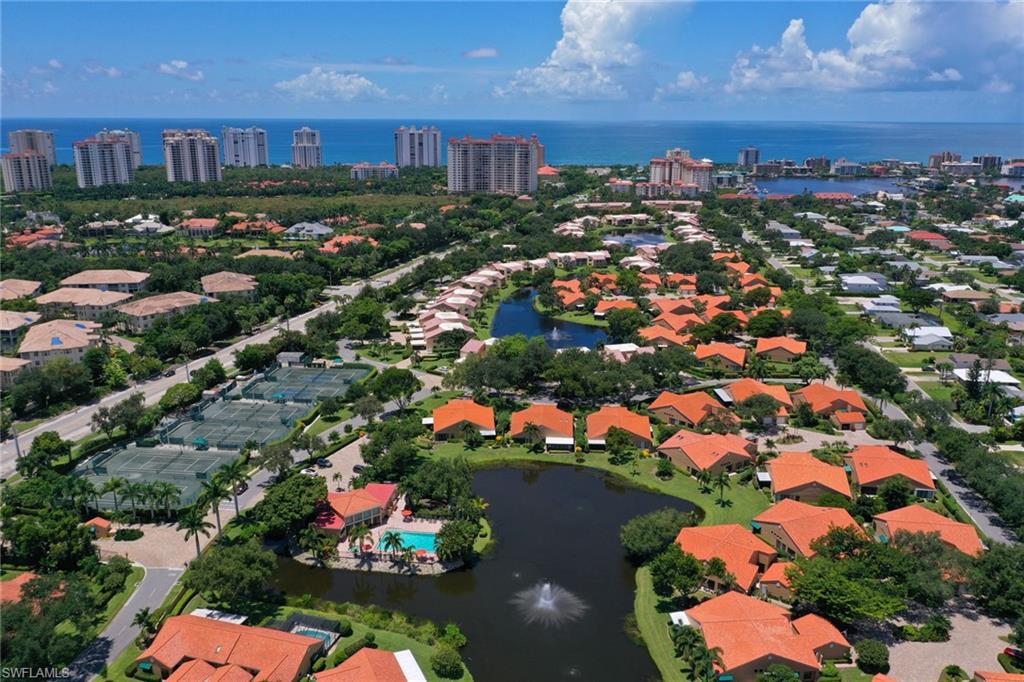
169	373
310	471
359	468
241	487
324	463
1016	654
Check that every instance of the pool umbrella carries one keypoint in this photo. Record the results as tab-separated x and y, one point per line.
407	513
421	553
367	546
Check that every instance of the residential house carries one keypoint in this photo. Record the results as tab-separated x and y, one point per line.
370	506
9	370
13	325
58	339
190	647
302	231
198	227
802	476
622	352
604	307
774	583
660	337
344	241
11	289
727	356
929	338
916	518
792	526
872	465
637	426
125	281
934	240
83	304
375	665
689	409
752	635
454	418
142	313
225	284
267	253
745	555
780	348
864	283
554	426
743	389
781	230
825	400
695	452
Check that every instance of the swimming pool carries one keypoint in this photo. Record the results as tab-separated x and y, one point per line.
414	540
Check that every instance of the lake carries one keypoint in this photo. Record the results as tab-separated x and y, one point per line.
552	523
516	315
635	239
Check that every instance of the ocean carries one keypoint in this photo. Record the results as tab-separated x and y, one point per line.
578	142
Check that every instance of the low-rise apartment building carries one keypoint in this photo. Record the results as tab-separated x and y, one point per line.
141	314
58	339
82	304
127	281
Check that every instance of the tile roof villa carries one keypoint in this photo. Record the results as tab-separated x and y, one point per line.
792	526
370	505
227	282
450	419
802	476
694	452
873	465
689	409
826	400
58	338
108	280
11	289
556	426
375	665
731	357
745	555
918	519
638	426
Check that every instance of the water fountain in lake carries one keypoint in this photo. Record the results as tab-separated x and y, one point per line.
548	604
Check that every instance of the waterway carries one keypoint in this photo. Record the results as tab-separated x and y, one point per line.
516	315
553	523
635	239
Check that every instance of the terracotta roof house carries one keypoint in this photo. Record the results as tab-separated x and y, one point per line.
638	426
917	519
792	526
745	555
774	582
375	665
556	426
142	313
746	388
660	337
58	338
13	324
128	281
227	283
264	653
370	505
873	465
780	348
11	289
753	634
84	304
449	420
343	241
678	322
198	227
604	307
688	409
257	227
100	526
695	452
802	476
826	400
728	356
849	421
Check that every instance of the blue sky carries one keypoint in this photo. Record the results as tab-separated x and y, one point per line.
845	61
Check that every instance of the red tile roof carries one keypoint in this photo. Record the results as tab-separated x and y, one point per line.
707	450
747	388
366	665
598	423
794	346
824	398
917	519
732	543
695	407
792	470
463	410
545	415
872	465
734	354
804	523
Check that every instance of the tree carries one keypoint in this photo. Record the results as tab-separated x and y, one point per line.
114	374
115	486
896	493
290	505
104	420
166	494
808	367
623	324
686	642
362	319
254	357
396	384
232	574
766	324
447	663
46	448
758	410
896	430
367	407
323	547
194	524
277	457
648	535
757	368
53	541
179	397
998	579
455	540
145	621
619	445
391	542
234	474
721	482
675	572
872	656
130	413
214	491
209	375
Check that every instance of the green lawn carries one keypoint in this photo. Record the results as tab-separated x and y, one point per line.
913	358
389	354
652	619
325	422
427	405
577	316
937	390
853	674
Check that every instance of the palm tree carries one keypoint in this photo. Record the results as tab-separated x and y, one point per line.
687	641
194	523
337	477
391	542
134	492
704	479
702	668
214	491
144	621
114	485
532	433
722	482
360	535
167	494
85	492
151	492
233	475
757	368
408	555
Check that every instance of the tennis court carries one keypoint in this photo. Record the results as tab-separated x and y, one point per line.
303	384
230	424
185	468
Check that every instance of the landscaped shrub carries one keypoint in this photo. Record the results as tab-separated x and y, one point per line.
127	534
447	663
320	664
872	656
954	672
829	673
453	636
344	628
366	641
935	630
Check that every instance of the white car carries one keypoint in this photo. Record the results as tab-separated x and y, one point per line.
310	471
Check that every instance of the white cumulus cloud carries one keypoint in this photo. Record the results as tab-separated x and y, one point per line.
591	58
179	68
895	46
328	84
94	68
686	83
998	86
482	53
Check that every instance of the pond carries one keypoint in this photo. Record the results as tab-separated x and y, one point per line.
553	523
516	315
856	186
635	239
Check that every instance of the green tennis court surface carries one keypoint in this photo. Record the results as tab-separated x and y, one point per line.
303	384
230	424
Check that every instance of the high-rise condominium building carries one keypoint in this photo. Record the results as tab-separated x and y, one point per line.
541	151
936	160
130	136
988	161
106	161
245	147
26	172
417	147
501	164
749	157
679	168
34	141
191	156
818	163
306	149
373	171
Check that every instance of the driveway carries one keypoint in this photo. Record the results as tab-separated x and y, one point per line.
149	593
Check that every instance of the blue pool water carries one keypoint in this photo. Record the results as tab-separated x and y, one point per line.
414	540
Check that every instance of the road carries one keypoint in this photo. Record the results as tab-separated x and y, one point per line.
76	424
149	593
